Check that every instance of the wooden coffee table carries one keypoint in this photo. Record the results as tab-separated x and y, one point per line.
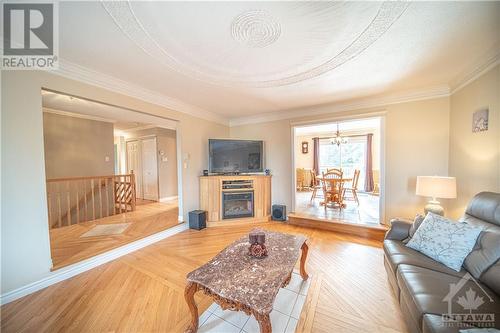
238	282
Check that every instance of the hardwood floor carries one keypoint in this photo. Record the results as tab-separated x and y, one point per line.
371	231
143	291
366	213
68	247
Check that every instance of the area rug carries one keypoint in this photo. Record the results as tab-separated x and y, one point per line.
284	317
106	230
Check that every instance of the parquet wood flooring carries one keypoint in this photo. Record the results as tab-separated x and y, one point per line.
143	291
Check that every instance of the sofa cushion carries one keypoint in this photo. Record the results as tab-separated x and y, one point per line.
485	206
400	229
397	253
414	226
485	253
491	277
444	240
434	324
427	291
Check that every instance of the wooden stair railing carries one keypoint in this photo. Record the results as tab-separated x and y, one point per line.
79	199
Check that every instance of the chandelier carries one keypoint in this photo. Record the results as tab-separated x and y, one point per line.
338	139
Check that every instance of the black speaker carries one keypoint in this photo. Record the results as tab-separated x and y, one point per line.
205	173
197	219
278	213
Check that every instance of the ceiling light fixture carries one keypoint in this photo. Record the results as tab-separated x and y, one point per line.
338	139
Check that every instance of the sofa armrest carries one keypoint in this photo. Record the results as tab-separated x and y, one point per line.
400	229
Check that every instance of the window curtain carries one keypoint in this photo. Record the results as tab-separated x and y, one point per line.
316	155
369	185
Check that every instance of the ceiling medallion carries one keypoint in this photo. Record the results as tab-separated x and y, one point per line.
255	28
257	31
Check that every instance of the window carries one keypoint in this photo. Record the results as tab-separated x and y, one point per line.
348	157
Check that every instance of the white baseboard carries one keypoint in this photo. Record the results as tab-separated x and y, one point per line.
166	199
85	265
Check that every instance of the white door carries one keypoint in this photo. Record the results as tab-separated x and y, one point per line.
134	164
149	169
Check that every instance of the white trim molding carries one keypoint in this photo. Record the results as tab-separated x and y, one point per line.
85	265
488	61
359	104
79	73
88	76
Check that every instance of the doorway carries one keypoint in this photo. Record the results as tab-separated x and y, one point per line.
111	175
142	161
337	170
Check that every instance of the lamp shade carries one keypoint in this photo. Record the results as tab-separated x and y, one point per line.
437	187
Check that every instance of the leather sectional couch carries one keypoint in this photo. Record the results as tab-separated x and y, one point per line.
433	297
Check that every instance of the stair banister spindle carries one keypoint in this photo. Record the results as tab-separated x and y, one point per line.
75	188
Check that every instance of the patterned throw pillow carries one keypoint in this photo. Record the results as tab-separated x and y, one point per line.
444	240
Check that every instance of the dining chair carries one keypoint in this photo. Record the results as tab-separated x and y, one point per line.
316	185
353	190
300	179
332	187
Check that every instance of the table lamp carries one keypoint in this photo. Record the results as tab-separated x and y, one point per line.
436	187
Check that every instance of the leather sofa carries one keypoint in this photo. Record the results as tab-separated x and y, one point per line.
424	287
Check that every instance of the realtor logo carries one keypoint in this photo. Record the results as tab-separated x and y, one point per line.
467	304
29	36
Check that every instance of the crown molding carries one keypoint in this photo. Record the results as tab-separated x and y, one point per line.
486	63
365	103
83	74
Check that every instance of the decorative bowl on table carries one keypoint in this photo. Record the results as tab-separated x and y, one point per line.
257	239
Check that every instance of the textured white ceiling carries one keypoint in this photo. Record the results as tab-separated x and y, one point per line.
239	59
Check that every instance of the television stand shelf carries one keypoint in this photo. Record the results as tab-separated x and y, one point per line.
235	199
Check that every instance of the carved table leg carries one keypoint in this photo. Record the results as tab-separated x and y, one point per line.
303	258
264	323
189	292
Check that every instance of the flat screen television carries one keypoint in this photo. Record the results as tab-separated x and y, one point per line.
235	156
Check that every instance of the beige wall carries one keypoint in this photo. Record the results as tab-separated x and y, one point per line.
76	147
304	160
167	164
475	157
416	143
25	256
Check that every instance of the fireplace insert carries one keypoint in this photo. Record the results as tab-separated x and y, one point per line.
237	204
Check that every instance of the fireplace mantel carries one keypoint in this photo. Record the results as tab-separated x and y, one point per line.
213	187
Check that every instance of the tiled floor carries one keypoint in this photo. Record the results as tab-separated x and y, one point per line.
284	317
366	213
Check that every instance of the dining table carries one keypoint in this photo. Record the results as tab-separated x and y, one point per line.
343	180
